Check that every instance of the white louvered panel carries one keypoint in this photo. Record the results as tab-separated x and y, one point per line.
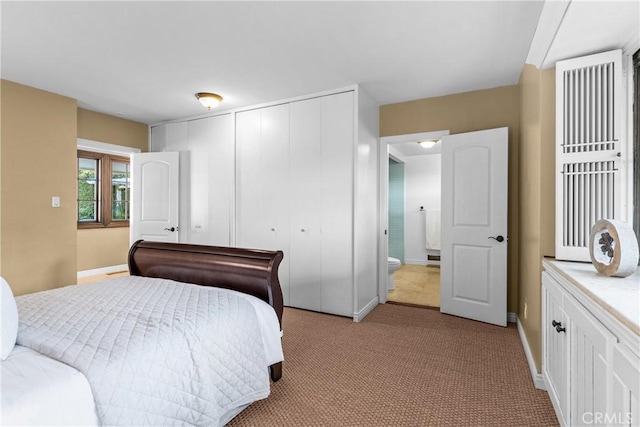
590	196
589	149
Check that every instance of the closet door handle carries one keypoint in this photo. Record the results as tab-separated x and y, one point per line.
554	323
498	238
172	229
303	229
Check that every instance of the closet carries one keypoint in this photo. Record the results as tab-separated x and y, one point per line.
303	174
206	150
294	192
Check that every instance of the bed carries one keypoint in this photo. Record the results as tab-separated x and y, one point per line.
191	337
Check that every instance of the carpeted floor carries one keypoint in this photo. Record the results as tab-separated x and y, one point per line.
401	366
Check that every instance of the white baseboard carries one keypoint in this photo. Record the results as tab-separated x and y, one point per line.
104	270
538	381
367	308
420	262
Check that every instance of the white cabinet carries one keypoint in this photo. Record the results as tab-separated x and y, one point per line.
556	351
206	176
591	364
626	386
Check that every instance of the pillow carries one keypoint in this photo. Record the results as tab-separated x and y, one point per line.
8	319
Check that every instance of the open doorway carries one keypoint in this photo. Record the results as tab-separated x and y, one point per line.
410	208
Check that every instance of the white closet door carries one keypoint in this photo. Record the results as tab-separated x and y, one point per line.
306	271
158	138
274	194
262	189
337	203
174	137
250	225
212	157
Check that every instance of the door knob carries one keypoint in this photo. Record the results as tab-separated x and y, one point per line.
498	238
172	229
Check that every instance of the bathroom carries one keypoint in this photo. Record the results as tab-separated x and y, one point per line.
414	223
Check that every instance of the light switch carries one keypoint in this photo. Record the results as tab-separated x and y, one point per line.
55	202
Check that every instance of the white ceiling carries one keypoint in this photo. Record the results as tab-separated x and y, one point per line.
146	60
568	29
595	26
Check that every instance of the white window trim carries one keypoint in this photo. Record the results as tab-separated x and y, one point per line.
105	148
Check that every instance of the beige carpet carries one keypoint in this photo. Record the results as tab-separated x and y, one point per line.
416	284
401	366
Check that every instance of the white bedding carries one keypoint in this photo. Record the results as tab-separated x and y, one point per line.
203	378
37	390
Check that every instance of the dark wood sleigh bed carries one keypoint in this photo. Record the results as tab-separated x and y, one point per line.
250	271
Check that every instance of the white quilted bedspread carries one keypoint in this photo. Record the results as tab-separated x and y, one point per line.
156	352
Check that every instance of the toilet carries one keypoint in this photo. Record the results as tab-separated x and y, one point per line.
394	264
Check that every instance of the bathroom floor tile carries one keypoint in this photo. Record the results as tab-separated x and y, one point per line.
416	285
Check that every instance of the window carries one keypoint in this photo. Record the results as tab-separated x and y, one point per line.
103	190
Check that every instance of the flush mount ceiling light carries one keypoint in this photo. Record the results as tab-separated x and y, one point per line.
209	100
428	143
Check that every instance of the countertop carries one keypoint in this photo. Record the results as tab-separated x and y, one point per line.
617	295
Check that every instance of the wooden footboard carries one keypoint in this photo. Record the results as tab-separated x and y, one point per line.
250	271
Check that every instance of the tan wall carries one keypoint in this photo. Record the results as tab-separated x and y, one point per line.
112	130
468	112
548	158
530	168
38	162
105	247
537	139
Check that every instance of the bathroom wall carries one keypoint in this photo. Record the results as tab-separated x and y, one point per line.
396	210
422	188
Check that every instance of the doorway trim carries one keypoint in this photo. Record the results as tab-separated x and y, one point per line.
383	208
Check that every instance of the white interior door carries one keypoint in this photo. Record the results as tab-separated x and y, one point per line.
154	197
474	226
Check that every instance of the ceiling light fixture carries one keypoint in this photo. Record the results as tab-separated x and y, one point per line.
209	100
428	143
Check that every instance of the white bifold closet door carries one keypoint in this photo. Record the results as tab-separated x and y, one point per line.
262	183
321	248
210	144
294	192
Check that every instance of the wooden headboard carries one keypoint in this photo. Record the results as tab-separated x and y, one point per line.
250	271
